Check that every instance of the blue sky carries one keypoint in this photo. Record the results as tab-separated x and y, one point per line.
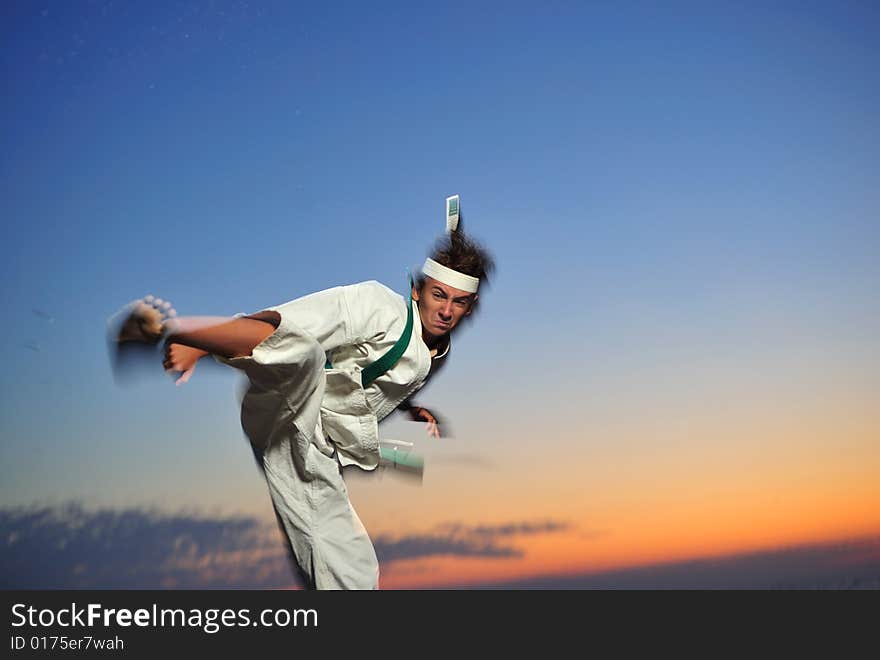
682	199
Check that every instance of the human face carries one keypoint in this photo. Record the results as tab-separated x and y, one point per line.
441	307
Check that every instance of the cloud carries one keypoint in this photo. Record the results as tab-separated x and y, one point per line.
853	564
70	547
454	539
429	545
520	529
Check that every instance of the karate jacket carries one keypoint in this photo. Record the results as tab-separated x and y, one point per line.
291	391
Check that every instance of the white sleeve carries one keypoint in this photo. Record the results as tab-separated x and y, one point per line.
324	316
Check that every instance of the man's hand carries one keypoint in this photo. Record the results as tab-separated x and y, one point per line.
182	359
418	414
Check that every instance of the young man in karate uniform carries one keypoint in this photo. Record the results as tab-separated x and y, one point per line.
323	371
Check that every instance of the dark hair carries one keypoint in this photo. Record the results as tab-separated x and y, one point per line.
464	254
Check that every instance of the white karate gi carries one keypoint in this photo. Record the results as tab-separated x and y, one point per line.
305	421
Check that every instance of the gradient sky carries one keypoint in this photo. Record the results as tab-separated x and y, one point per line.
678	356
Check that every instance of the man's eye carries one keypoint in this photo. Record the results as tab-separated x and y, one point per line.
437	296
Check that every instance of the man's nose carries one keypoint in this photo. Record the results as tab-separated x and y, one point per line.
446	311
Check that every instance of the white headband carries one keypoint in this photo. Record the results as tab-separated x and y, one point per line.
451	277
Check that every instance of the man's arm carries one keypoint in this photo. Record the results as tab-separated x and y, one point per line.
229	338
192	338
149	320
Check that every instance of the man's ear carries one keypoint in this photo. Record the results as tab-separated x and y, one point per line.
415	294
472	305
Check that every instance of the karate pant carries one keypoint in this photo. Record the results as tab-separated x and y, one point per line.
282	403
330	544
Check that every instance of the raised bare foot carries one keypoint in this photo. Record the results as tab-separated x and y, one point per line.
143	321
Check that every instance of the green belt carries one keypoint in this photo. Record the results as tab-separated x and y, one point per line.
393	354
402	458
